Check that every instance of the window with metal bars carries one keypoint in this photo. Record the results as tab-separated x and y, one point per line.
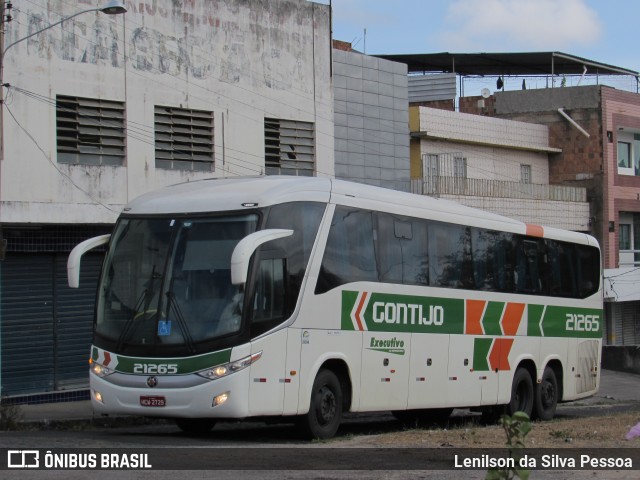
90	131
184	139
525	174
289	147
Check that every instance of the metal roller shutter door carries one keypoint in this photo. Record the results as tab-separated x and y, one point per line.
46	326
630	323
27	324
73	312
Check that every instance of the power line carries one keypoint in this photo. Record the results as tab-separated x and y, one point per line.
69	179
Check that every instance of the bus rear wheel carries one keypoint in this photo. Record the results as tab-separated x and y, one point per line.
522	396
546	395
325	408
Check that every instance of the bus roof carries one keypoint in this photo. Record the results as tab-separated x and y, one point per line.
233	194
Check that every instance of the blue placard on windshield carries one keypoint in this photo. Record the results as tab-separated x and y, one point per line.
164	328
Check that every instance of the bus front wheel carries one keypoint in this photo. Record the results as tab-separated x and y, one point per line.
522	396
325	408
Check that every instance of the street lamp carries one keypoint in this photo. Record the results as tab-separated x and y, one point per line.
112	7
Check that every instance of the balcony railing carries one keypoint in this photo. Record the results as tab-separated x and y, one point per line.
440	185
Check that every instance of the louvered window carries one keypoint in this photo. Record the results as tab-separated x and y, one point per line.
184	139
289	147
90	131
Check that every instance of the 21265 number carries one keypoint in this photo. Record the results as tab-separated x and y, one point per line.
577	322
155	369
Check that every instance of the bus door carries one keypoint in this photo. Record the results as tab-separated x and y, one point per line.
464	385
266	390
267	311
428	371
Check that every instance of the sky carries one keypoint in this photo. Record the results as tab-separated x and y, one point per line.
604	31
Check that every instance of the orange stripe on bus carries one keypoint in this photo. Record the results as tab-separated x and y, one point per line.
535	230
499	355
363	299
475	308
512	318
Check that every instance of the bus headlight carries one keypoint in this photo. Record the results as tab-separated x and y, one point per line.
229	368
100	371
220	399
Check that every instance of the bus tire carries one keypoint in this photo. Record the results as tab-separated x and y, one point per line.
195	426
522	395
546	399
325	407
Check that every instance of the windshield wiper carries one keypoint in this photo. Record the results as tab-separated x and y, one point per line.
141	307
172	305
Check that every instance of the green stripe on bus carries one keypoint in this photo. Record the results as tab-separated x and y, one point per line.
183	365
380	312
481	347
492	317
572	322
535	316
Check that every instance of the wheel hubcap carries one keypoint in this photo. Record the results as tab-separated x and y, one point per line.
548	394
326	406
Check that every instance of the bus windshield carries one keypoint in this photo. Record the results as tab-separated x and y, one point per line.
166	283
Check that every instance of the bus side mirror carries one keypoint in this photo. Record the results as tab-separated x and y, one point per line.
245	248
73	262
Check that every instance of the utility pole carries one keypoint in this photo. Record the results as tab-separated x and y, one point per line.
5	9
5	18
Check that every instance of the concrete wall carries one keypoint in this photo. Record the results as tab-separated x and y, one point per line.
493	162
243	60
495	148
371	120
621	358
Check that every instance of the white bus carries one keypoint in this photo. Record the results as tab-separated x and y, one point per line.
311	297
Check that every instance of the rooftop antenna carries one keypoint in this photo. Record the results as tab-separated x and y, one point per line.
365	40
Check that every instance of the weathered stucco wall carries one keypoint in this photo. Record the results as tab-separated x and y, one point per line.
242	60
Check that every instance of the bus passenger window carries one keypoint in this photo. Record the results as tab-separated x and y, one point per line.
492	263
349	255
588	270
562	274
527	274
402	250
389	249
415	255
450	263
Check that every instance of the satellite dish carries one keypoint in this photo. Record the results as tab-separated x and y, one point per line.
485	92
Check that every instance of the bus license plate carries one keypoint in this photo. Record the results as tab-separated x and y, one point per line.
146	401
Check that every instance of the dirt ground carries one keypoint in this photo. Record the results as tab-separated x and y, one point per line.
605	430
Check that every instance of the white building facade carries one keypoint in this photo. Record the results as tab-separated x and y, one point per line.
103	108
497	165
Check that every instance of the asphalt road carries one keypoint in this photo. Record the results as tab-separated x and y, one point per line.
253	446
